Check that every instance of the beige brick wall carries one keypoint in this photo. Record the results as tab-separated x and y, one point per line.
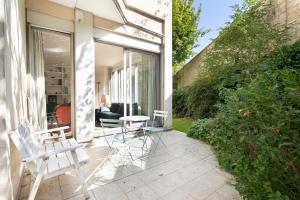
189	73
286	13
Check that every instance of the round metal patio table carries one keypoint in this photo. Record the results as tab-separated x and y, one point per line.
135	118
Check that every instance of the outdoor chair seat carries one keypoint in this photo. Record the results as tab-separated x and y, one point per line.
148	130
46	159
153	129
63	161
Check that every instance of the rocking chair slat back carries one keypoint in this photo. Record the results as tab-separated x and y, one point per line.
25	141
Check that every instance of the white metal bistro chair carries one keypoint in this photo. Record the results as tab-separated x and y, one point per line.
149	130
49	159
115	136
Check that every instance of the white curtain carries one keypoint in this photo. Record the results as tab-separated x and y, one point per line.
145	83
36	92
148	93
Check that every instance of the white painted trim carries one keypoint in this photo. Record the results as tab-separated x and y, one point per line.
125	41
48	21
139	20
125	82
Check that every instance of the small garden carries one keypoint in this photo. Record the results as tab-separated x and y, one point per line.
246	104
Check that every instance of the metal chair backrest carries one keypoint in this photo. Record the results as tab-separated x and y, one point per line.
159	114
110	123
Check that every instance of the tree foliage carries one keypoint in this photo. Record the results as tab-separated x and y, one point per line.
185	30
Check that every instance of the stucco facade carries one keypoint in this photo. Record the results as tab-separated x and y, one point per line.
146	25
285	13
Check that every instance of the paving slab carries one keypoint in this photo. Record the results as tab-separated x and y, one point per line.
184	170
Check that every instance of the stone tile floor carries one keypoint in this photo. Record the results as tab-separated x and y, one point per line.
184	170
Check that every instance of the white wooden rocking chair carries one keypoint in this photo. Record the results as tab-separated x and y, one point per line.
46	160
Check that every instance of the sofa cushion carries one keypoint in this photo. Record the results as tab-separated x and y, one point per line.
109	115
114	107
121	109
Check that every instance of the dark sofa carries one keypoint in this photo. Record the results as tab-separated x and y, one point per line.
116	111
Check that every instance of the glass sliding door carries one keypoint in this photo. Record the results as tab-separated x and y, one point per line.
136	84
143	82
50	63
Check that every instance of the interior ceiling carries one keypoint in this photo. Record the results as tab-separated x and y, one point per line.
56	49
108	55
101	8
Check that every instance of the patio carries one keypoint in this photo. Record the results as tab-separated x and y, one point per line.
185	169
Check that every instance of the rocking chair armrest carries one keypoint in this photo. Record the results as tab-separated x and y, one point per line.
46	155
59	129
52	130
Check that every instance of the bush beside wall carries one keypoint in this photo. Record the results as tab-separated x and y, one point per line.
247	102
256	132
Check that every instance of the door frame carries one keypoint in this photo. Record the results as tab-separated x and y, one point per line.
130	50
72	54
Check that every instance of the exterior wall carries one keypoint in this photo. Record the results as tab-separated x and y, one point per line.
166	64
50	8
161	10
65	13
84	76
285	13
13	98
13	104
189	73
157	17
5	190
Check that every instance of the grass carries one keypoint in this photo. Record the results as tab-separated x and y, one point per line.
182	124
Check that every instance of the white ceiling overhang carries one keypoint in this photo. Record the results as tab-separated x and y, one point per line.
116	10
101	8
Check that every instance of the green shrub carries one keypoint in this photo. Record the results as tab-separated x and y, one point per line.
201	97
257	129
201	129
180	104
196	101
249	95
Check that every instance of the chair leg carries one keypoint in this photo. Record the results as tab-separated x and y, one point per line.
126	142
77	166
159	135
159	139
148	135
128	146
145	139
37	181
145	144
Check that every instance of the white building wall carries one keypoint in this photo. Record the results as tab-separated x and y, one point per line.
13	92
167	63
84	76
13	79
